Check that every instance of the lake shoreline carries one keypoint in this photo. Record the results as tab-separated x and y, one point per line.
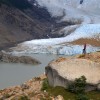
32	87
24	89
12	74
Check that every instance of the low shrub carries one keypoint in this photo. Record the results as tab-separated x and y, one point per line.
24	98
78	86
81	97
45	85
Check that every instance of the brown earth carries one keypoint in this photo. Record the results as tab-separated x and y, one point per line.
95	57
82	41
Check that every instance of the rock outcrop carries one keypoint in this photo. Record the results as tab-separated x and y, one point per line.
8	58
30	89
64	70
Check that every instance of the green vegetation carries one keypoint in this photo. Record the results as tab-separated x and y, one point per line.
45	85
81	97
21	4
23	98
81	56
78	86
55	91
94	95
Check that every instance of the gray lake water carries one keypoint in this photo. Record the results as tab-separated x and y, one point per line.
15	74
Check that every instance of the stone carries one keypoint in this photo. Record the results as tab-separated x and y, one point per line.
8	58
24	86
59	97
62	72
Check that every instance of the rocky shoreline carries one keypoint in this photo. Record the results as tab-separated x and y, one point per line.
30	89
9	58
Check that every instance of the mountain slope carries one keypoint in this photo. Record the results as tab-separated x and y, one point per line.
21	21
21	24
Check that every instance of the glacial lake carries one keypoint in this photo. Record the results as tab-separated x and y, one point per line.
12	74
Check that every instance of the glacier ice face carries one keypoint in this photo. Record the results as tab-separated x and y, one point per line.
56	49
56	45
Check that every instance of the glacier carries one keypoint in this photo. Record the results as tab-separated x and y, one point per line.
84	31
86	17
56	49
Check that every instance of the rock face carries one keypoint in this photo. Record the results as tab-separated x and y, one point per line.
64	70
17	59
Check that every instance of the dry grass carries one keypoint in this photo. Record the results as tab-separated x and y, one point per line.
91	56
82	41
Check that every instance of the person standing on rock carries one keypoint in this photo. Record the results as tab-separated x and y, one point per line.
84	49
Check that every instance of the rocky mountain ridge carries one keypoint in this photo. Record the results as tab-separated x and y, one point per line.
21	24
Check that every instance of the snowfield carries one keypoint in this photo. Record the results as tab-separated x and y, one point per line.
85	15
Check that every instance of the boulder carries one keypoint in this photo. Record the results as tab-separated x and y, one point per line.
59	97
64	70
8	58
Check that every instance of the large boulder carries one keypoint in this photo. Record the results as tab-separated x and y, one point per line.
64	70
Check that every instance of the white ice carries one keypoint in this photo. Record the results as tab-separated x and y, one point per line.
58	49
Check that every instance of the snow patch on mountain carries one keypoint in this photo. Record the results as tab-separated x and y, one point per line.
72	10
